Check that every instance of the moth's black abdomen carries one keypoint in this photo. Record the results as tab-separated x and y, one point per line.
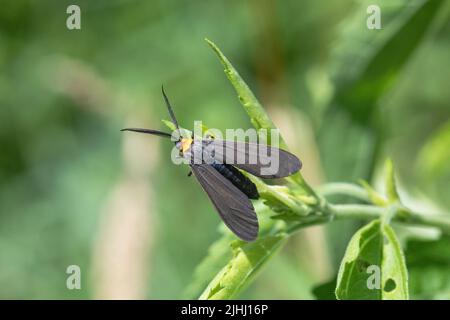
238	179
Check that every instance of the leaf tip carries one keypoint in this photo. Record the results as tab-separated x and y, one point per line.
391	187
213	46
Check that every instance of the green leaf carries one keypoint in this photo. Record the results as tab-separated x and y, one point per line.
373	195
373	251
218	255
258	116
184	132
169	124
280	198
247	260
393	267
326	290
391	187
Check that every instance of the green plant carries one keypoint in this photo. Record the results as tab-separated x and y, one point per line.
294	205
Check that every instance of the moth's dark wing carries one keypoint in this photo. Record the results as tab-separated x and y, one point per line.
234	207
255	158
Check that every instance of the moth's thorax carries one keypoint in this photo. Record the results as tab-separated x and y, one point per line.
196	151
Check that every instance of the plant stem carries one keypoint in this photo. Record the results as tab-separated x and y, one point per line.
356	211
441	222
370	212
341	188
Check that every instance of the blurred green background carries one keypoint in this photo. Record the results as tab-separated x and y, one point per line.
75	190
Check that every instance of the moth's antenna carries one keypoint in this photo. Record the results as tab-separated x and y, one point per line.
149	131
157	132
169	107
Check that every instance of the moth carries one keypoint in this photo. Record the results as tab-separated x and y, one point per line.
217	165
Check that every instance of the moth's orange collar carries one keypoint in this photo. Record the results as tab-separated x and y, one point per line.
186	144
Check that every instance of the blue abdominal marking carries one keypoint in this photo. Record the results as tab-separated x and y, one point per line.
238	179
